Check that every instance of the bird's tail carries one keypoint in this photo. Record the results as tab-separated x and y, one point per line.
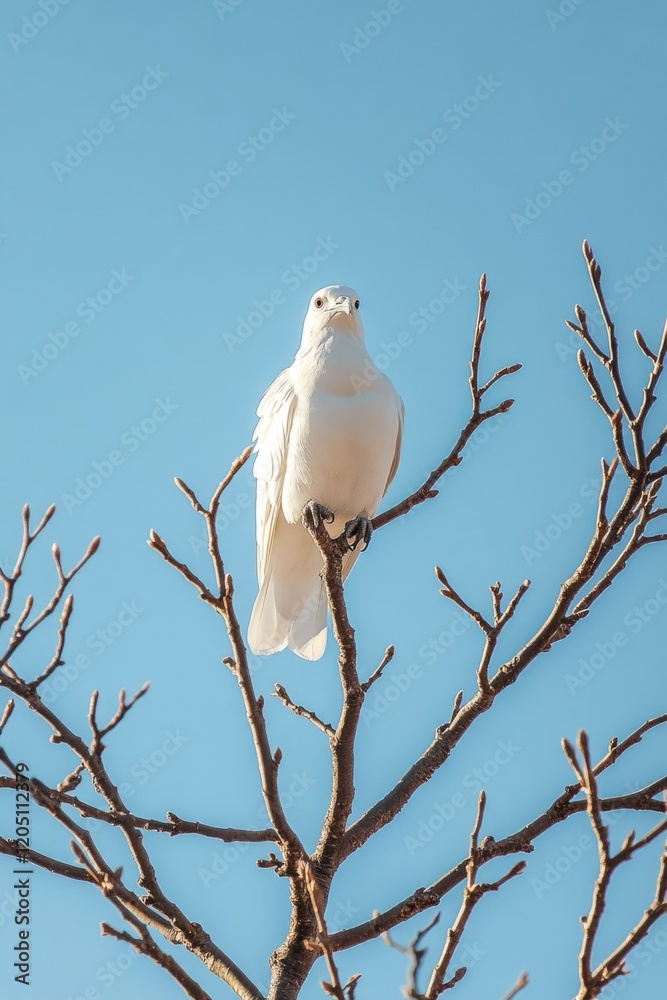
291	607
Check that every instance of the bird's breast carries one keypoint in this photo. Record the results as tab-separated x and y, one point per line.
343	440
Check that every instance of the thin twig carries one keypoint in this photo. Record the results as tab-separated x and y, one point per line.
377	673
592	981
477	417
473	892
144	944
448	591
416	954
646	799
282	694
521	984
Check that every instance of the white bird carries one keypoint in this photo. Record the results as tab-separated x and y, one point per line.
329	436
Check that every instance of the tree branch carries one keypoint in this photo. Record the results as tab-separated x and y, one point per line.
282	694
520	842
478	416
473	892
592	982
9	579
144	944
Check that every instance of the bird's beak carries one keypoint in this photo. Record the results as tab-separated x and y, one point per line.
344	304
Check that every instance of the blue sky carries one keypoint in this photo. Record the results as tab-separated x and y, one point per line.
178	179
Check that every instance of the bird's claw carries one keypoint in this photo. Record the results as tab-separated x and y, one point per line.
357	531
318	513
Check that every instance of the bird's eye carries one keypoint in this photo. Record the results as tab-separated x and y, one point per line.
356	304
319	303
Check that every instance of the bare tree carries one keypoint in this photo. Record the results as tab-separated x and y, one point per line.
623	527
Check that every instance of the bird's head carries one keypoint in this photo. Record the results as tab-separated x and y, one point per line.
337	307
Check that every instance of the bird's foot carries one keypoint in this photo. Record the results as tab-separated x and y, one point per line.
358	531
316	513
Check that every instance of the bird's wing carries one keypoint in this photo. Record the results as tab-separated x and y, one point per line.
399	442
275	412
